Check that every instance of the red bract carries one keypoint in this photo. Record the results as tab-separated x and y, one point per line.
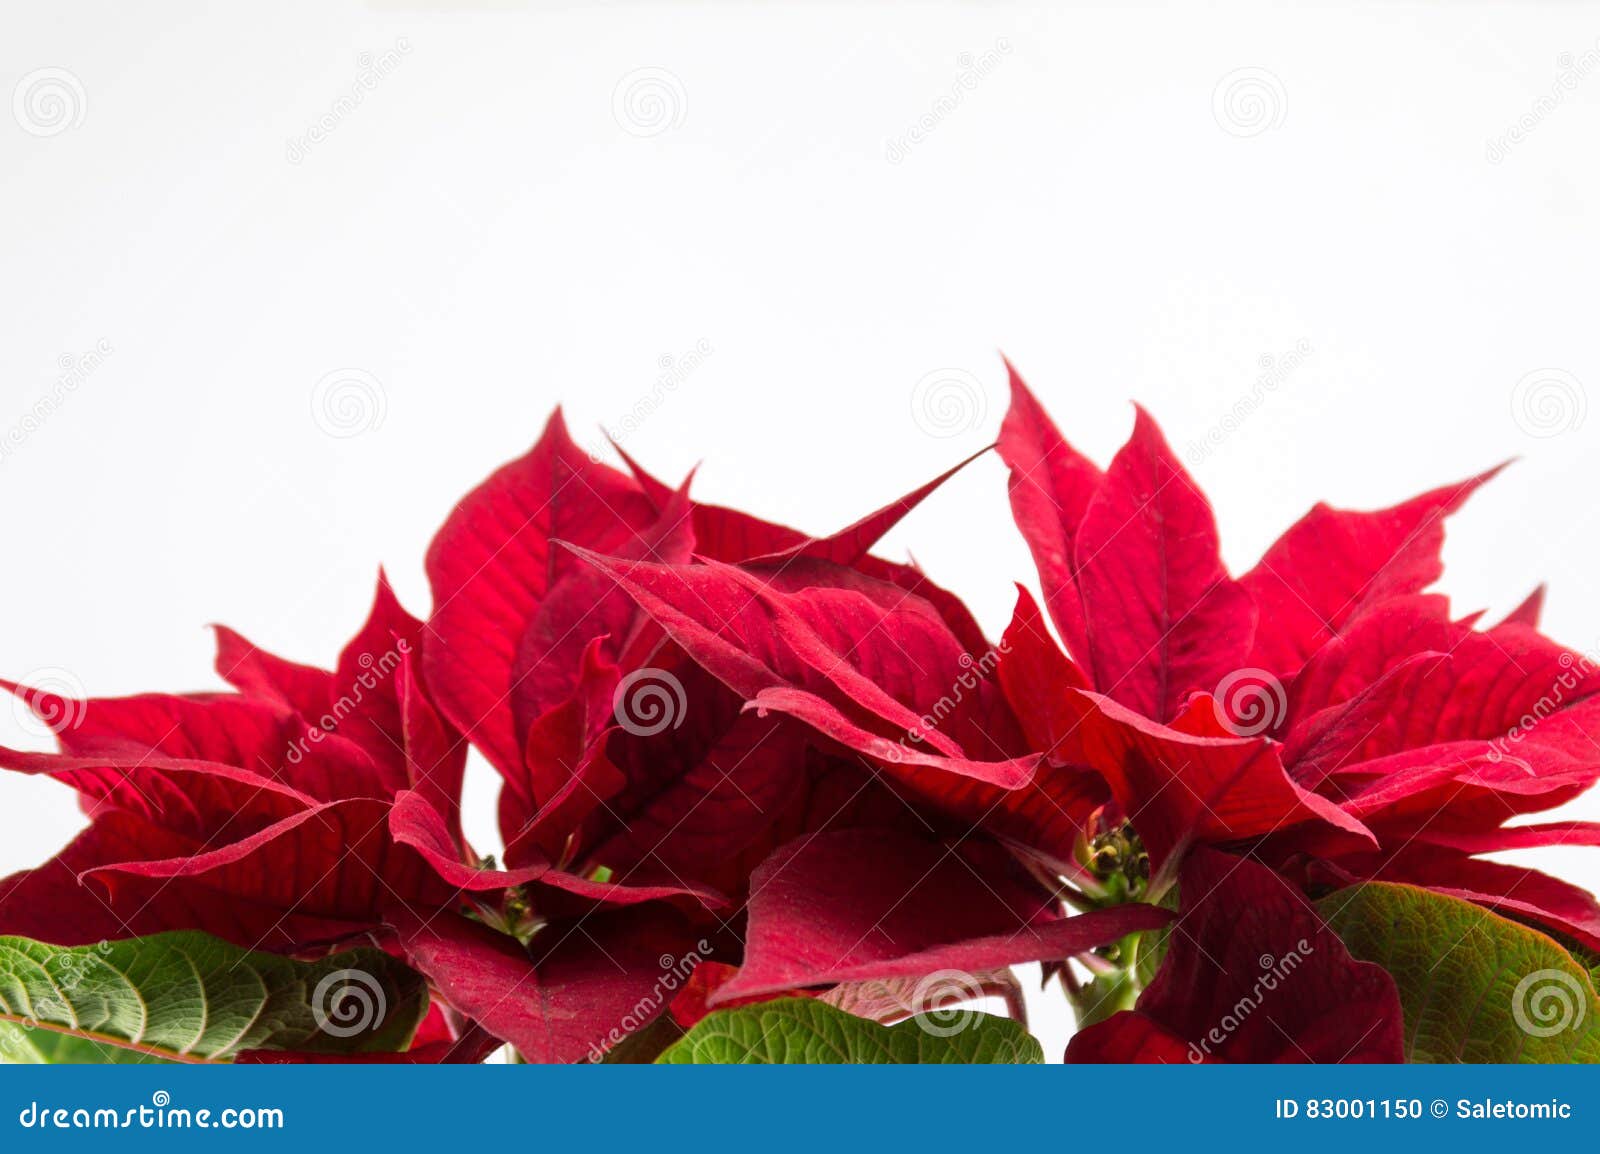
259	817
739	762
615	749
314	809
1320	709
673	691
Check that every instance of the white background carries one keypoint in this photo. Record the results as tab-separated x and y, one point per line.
505	221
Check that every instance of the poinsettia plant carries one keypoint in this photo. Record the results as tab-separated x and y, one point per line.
770	797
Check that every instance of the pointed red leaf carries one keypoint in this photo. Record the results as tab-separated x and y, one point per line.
86	894
1165	619
1492	680
1513	890
225	729
1180	789
576	991
585	605
364	698
436	756
196	799
1333	563
863	662
334	861
1035	674
491	567
1050	487
257	673
1529	611
1324	742
858	904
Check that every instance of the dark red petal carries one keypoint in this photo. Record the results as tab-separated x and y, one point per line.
1512	890
415	823
858	904
1529	611
861	661
1035	674
905	761
491	566
575	992
67	902
365	696
1504	680
257	673
360	699
1517	836
335	861
698	802
436	756
567	776
1322	743
850	544
1181	789
195	799
1165	619
1050	487
1332	564
1131	1037
572	895
1466	787
586	604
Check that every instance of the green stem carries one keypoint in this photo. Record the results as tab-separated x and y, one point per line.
1107	994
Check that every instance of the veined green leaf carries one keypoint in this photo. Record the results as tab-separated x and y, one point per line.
803	1030
192	997
1475	987
39	1046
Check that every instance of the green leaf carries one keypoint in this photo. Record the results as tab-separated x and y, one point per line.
41	1046
1475	987
803	1030
192	997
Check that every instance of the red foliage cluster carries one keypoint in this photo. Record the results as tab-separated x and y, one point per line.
799	765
